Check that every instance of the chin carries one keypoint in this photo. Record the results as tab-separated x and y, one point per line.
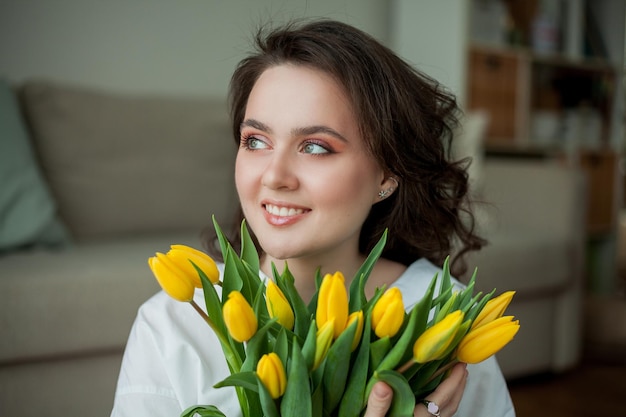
279	254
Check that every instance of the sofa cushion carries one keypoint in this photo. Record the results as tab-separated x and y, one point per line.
521	262
28	213
119	164
77	300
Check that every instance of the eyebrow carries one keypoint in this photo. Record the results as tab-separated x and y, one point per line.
299	131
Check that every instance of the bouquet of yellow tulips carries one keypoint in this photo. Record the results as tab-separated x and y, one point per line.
291	358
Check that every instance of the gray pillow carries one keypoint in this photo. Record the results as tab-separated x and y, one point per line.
27	211
120	164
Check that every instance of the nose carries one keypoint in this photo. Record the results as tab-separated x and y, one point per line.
280	172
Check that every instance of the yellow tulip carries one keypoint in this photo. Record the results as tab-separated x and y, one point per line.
388	313
239	317
278	306
324	339
175	282
358	317
433	343
182	255
494	309
332	303
486	340
271	372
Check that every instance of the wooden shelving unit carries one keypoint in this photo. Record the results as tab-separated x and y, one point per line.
565	103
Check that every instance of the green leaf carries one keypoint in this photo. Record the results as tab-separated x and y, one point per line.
256	347
249	253
403	403
312	306
473	313
297	398
353	399
213	303
259	306
251	280
446	280
232	276
286	283
202	411
281	345
317	402
268	404
247	380
378	350
224	244
308	349
426	371
337	367
357	286
468	292
447	307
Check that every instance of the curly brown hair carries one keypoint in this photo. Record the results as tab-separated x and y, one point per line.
407	121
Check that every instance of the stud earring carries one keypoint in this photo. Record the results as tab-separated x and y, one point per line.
386	193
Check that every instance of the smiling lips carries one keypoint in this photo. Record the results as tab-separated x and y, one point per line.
282	211
282	215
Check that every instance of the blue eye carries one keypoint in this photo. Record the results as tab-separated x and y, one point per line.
253	143
314	148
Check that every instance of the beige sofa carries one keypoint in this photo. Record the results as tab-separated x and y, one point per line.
534	219
127	176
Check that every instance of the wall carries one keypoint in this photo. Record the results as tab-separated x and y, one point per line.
433	36
163	46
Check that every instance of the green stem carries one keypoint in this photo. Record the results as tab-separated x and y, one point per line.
441	370
406	366
233	359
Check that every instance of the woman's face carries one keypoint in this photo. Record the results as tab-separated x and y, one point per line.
305	179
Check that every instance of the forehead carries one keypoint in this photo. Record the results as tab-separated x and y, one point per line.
295	97
299	83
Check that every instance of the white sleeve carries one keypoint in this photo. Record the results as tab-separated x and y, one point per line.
486	392
172	361
143	387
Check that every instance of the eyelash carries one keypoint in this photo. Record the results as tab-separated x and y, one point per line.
245	142
246	139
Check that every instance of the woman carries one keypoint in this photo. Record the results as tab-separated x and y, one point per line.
338	140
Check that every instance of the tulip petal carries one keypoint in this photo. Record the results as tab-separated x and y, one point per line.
278	306
271	372
494	309
486	340
172	280
332	303
388	313
184	255
434	342
239	317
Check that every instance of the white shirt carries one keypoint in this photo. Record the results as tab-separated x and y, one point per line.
173	359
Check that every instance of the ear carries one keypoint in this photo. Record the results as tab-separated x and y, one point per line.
387	187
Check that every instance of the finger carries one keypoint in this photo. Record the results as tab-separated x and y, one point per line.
448	394
379	400
458	394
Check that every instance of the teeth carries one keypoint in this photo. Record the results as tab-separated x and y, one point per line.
282	211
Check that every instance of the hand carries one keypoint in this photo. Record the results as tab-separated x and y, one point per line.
447	396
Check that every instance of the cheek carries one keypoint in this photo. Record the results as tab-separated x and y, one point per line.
242	176
347	188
